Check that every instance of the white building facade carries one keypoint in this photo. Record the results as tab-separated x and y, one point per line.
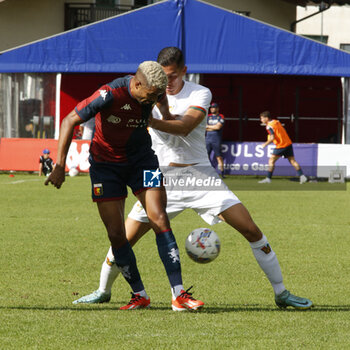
331	26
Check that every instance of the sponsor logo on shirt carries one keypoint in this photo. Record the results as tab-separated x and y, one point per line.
113	119
136	123
126	107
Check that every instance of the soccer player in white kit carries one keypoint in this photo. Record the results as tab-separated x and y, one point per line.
178	138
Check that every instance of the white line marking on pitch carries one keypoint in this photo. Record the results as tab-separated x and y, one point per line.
19	182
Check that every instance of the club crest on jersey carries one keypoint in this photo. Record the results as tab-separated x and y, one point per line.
266	249
113	119
98	190
103	94
126	107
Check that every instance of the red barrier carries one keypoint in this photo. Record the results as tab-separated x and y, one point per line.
23	154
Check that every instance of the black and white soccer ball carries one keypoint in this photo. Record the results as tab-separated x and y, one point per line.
202	245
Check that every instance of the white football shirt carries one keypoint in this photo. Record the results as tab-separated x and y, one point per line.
183	149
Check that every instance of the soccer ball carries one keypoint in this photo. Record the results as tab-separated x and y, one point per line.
73	171
202	245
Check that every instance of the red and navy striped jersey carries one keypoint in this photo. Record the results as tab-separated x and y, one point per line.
120	123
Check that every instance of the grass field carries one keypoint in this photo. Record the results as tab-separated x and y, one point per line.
52	244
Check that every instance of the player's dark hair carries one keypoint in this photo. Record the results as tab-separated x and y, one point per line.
265	114
171	55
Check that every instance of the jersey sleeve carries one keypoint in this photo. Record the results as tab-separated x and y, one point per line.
99	100
269	129
201	100
222	119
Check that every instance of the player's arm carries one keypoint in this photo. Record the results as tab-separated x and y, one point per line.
163	107
57	176
215	127
182	127
270	138
40	168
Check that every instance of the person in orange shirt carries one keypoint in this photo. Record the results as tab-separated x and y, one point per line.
284	148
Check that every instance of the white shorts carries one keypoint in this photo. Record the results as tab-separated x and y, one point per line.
208	202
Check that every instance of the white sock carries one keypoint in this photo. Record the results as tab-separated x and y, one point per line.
268	262
142	293
109	273
176	291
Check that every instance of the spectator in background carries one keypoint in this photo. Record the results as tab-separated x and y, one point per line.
278	135
213	139
45	163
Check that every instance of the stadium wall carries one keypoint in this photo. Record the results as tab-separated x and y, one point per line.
241	158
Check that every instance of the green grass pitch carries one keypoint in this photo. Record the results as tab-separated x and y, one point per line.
52	244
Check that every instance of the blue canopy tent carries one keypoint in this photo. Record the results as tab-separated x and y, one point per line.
239	45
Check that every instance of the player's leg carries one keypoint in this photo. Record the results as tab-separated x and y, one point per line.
216	145
208	147
154	202
272	160
112	215
109	271
298	169
220	164
239	218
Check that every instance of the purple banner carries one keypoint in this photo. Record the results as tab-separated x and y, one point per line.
249	158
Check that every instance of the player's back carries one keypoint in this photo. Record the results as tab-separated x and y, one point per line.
282	139
120	124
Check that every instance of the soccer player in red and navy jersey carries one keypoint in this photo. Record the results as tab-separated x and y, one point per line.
120	152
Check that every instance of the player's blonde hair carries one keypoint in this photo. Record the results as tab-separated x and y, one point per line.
154	75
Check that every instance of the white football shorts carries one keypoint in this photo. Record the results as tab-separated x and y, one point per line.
194	187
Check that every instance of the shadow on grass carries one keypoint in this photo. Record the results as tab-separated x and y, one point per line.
166	307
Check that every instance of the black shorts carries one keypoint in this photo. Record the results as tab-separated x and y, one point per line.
109	180
285	152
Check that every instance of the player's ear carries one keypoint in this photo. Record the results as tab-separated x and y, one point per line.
137	84
184	70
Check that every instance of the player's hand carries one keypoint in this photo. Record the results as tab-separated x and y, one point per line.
57	176
163	107
163	104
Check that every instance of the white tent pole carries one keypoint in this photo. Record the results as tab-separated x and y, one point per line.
58	102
